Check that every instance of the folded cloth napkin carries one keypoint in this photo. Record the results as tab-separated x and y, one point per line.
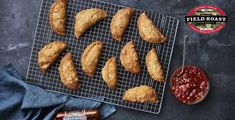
22	101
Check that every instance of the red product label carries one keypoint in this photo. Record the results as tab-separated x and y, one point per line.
206	19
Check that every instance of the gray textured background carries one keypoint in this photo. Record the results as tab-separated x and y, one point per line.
214	53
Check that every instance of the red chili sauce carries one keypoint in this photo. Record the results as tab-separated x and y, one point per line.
191	86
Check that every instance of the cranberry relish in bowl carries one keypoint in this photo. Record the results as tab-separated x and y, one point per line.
191	86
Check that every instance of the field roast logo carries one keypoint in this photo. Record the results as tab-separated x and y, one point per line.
206	19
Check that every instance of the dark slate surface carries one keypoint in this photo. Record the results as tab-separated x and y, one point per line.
214	53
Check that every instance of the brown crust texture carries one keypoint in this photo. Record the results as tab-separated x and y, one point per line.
129	58
49	53
87	18
148	31
154	67
58	16
141	94
109	73
90	57
68	73
120	22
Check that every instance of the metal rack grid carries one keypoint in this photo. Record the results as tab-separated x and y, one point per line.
93	88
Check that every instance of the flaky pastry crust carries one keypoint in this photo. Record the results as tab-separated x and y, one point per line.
120	22
90	57
153	66
109	73
49	53
129	58
86	19
141	94
58	16
148	30
68	73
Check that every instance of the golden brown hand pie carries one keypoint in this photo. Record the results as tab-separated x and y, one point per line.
129	58
141	94
109	73
68	74
154	67
120	22
90	57
148	31
87	18
58	16
49	53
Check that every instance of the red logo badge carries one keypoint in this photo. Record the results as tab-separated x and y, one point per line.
206	19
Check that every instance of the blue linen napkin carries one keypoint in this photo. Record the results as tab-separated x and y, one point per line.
22	101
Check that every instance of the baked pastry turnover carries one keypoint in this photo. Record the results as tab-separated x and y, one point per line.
90	57
129	58
120	22
68	74
109	73
148	31
141	94
49	53
87	18
58	16
153	65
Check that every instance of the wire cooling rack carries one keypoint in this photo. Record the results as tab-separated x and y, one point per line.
94	88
